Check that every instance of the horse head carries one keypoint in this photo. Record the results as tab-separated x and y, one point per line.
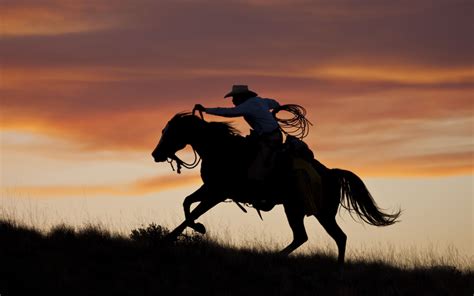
177	133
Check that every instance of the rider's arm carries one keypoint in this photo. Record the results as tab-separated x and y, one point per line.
239	110
271	103
225	112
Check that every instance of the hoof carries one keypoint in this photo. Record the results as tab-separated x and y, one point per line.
264	205
199	228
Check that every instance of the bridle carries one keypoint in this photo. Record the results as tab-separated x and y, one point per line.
180	163
195	163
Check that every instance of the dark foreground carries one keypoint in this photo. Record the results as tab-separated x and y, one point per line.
94	262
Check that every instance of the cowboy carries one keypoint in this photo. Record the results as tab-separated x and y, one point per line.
257	113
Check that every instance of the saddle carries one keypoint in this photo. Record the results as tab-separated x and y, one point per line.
296	156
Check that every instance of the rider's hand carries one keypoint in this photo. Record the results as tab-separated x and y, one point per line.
276	110
199	107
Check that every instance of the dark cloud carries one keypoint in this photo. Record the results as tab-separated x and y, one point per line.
228	35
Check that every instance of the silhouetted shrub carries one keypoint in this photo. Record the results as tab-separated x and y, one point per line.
62	232
191	238
94	232
152	232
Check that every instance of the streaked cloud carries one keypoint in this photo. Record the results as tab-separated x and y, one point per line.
30	18
379	79
407	75
137	188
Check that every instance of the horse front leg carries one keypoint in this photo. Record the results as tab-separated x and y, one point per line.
203	207
196	196
191	216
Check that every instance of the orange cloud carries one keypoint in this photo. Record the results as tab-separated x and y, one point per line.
370	74
398	74
441	164
140	187
350	119
165	182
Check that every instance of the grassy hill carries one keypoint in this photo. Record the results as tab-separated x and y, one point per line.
92	261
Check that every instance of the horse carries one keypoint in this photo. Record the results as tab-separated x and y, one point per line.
226	156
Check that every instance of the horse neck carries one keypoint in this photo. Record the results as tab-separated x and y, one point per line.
209	143
196	138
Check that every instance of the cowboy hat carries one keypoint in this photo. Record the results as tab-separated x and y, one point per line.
239	90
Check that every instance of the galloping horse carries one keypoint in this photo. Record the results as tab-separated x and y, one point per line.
225	159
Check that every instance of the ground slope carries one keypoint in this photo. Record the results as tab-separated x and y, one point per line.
91	261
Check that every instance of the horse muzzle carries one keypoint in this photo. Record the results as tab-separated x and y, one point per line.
159	157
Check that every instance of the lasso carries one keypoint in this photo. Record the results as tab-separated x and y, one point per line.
298	125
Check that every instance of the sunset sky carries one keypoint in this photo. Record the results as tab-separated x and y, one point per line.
87	86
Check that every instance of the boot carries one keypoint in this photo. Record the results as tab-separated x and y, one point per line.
257	189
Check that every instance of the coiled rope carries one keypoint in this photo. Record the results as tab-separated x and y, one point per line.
297	125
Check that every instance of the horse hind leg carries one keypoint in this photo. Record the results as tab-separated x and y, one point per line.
330	225
296	221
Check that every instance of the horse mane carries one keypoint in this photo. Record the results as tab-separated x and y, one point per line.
181	115
216	127
223	128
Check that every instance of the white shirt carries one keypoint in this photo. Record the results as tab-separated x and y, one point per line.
256	111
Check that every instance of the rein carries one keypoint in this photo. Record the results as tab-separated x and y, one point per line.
180	163
197	159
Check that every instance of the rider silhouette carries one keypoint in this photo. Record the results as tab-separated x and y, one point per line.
265	129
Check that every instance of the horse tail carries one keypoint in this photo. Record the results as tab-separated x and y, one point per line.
355	197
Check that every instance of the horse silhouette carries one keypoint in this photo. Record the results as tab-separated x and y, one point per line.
226	156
